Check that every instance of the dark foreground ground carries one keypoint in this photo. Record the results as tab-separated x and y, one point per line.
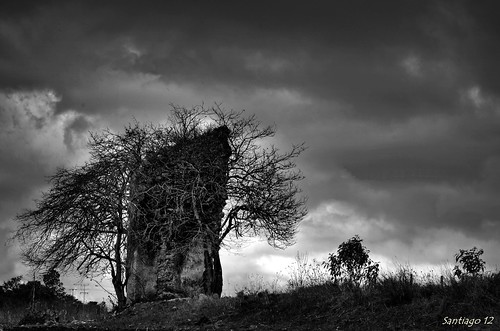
394	306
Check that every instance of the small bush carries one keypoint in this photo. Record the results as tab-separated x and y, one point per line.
470	262
351	265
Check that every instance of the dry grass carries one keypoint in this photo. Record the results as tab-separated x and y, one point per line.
400	300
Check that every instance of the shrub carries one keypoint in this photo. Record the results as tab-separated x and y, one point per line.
351	265
470	261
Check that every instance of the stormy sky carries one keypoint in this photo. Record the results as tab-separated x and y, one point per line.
397	101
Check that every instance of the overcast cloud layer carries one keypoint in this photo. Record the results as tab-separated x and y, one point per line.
398	101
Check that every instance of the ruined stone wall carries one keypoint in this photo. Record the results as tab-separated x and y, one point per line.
176	221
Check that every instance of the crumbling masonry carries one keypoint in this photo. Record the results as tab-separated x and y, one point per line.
175	222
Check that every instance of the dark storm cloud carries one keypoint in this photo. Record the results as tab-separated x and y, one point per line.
31	136
78	127
398	101
345	51
435	173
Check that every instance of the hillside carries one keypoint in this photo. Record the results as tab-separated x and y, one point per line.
325	307
395	303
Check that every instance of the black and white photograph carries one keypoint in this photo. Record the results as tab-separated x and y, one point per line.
249	165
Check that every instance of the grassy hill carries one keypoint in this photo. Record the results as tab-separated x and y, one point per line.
394	303
400	300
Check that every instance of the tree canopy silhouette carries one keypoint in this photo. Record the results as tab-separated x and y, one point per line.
82	222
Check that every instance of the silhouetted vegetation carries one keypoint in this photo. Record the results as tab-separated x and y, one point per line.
35	303
310	299
399	300
470	262
83	222
352	266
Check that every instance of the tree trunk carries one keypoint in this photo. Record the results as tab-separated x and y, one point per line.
117	280
120	293
217	281
212	276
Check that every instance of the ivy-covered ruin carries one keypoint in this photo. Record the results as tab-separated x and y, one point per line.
175	221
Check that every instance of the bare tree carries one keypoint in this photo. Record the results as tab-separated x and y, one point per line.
82	222
261	192
263	196
264	199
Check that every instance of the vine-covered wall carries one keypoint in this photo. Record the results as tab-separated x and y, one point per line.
175	221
